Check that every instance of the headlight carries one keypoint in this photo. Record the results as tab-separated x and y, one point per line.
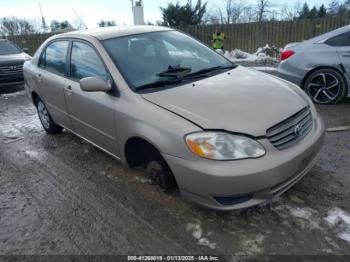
223	146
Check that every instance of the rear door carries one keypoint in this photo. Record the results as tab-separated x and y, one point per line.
91	113
51	80
341	44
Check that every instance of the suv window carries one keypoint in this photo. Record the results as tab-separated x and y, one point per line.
85	62
339	40
54	57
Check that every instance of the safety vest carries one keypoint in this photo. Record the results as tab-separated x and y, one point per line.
218	40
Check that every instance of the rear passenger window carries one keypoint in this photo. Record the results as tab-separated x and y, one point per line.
339	40
54	56
85	62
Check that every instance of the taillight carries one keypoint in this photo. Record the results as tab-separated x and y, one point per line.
286	54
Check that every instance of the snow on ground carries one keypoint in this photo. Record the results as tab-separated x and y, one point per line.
264	55
340	219
197	233
13	95
32	153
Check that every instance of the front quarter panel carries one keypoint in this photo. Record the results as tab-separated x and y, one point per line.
139	118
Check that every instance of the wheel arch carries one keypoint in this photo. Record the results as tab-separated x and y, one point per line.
138	150
35	96
338	68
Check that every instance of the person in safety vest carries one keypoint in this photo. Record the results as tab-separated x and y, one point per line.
218	40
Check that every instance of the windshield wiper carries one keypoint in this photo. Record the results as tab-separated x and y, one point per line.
175	71
159	83
210	69
180	73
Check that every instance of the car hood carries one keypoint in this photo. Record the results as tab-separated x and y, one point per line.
13	58
241	100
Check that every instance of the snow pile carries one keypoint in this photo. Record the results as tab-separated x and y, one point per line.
263	55
197	233
340	219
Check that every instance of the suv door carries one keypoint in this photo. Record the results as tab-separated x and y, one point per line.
51	80
91	113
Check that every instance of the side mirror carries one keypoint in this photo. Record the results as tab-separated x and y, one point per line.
25	50
94	84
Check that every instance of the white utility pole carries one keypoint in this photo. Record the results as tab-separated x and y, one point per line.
43	23
79	18
138	12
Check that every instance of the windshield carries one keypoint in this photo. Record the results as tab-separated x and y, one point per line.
6	48
144	58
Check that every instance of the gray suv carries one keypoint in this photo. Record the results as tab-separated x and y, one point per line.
11	63
228	137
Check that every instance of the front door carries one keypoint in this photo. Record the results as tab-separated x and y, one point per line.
51	81
92	113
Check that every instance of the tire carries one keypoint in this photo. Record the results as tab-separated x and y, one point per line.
45	118
161	175
326	86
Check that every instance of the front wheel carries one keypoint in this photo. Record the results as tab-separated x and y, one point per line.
161	175
46	120
326	86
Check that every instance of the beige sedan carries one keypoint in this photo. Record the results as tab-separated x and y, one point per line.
226	136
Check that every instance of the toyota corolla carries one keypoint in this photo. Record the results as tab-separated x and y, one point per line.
226	136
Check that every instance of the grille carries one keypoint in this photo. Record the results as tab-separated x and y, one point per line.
11	69
291	130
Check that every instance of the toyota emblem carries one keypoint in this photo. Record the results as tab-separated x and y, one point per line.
297	130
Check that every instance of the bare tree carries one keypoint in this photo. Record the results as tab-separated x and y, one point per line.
237	12
248	14
229	10
290	12
212	18
232	11
15	26
262	8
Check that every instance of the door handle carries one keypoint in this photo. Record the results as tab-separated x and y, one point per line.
345	53
68	89
40	77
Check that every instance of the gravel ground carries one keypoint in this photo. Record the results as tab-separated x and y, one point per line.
60	195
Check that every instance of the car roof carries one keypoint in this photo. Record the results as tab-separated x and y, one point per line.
115	31
330	34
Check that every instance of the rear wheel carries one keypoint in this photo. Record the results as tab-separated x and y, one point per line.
46	120
326	86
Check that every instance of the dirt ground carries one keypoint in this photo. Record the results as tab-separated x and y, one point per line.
60	195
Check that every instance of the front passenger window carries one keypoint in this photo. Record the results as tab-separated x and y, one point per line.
85	62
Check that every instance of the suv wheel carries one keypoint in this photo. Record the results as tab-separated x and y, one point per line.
326	86
46	120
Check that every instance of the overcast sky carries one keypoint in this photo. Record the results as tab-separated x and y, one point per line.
92	11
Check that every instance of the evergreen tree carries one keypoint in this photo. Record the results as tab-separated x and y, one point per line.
322	12
312	13
106	23
175	15
305	11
